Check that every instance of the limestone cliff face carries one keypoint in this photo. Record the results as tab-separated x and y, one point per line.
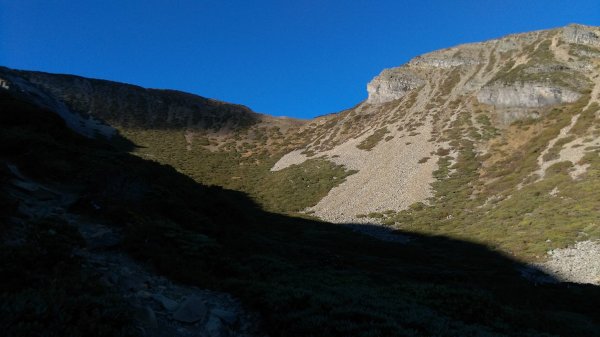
514	102
525	95
582	35
443	60
520	71
391	85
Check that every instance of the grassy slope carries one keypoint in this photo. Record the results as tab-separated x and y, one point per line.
306	278
289	190
480	200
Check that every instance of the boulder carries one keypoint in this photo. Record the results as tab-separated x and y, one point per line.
167	303
191	310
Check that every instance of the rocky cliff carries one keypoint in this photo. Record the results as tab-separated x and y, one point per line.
417	116
392	85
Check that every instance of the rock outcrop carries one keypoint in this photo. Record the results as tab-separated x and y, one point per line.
525	95
442	61
513	102
392	84
580	34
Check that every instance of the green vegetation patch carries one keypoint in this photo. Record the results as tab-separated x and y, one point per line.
488	131
449	83
586	120
554	151
289	190
370	142
300	186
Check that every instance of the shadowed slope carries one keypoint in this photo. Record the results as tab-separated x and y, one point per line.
305	277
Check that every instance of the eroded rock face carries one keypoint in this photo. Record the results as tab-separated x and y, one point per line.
519	100
392	84
581	35
442	62
525	95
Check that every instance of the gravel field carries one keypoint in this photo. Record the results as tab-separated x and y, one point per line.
579	263
389	176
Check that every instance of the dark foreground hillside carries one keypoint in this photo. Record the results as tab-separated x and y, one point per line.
302	277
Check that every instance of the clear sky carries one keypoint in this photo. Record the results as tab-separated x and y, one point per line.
299	58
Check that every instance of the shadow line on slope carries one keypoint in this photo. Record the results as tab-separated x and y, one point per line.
304	276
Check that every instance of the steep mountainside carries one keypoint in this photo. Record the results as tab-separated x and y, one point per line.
475	170
129	106
214	142
97	242
474	141
471	92
496	142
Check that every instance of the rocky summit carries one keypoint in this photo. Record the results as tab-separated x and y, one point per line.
411	110
469	178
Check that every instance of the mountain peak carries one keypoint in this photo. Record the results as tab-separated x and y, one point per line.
486	62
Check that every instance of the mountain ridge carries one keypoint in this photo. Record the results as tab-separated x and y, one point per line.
441	79
481	218
484	101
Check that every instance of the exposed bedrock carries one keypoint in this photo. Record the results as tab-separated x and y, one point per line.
525	95
392	84
518	101
582	35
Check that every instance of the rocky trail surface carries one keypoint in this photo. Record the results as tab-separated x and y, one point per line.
161	307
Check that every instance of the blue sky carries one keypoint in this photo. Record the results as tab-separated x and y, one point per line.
298	58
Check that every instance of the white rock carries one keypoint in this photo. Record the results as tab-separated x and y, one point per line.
392	84
525	95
